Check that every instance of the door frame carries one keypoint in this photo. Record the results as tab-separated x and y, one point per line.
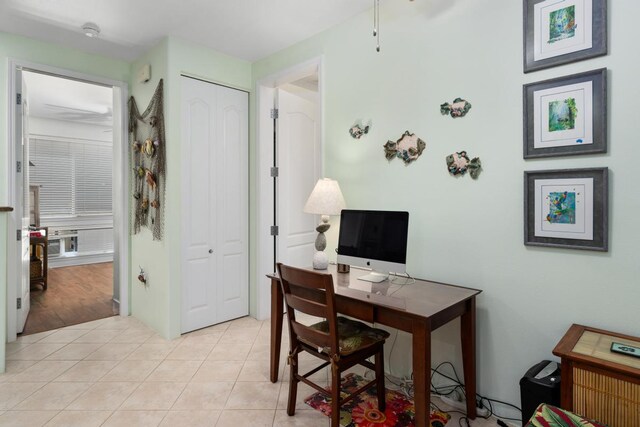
120	180
265	97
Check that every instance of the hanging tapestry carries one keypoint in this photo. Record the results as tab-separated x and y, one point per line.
146	138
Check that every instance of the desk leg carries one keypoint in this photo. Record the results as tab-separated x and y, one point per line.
421	371
468	335
276	328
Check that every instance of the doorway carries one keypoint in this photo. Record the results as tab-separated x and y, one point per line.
289	164
69	138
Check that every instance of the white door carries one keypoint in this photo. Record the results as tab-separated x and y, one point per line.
299	167
22	203
215	213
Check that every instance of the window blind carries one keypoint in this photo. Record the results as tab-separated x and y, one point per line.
75	177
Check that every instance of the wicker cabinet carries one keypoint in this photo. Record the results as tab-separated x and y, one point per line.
596	382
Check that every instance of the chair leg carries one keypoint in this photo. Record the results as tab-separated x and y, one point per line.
379	362
335	396
293	385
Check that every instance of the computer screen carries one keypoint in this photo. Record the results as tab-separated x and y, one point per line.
374	239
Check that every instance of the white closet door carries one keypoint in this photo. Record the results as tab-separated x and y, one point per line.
298	151
232	159
214	204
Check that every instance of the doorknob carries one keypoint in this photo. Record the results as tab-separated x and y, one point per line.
210	251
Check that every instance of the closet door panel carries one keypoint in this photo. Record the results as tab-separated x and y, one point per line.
199	211
233	140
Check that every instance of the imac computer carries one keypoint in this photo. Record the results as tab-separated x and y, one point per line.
374	239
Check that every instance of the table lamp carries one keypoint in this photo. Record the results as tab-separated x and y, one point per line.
325	199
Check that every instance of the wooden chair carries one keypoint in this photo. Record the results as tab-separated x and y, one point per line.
340	342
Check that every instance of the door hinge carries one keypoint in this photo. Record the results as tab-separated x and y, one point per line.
274	113
18	234
274	172
274	230
19	303
18	98
18	166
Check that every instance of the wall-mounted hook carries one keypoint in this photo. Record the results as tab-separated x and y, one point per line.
142	277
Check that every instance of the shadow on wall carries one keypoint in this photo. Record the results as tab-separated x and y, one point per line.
429	8
434	8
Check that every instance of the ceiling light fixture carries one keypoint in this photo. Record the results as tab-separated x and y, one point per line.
91	29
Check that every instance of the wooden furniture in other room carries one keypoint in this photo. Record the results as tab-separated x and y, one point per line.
39	267
418	309
340	342
596	382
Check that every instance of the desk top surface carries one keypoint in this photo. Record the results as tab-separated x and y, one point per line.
422	298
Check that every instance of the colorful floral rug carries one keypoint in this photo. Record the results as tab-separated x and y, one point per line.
363	411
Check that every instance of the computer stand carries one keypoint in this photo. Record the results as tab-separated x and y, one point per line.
374	277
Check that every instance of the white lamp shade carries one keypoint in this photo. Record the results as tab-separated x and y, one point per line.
325	199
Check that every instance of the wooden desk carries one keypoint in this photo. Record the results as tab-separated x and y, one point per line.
418	308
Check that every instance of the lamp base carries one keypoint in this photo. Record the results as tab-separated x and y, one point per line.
320	261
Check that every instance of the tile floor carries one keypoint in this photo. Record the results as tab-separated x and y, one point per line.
118	372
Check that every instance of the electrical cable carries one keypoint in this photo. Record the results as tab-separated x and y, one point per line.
395	280
400	385
480	399
454	411
406	385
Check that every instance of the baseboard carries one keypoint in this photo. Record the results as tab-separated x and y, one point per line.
80	260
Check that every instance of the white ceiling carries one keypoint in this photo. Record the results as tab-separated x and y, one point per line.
248	29
63	99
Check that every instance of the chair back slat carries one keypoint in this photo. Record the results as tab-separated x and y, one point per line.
311	293
307	306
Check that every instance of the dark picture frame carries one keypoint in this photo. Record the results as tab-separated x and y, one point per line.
535	11
587	134
590	208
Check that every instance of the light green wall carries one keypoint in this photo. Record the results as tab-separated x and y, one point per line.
24	49
150	303
158	304
471	232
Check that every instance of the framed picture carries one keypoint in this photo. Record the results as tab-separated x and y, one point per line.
566	116
563	31
566	208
